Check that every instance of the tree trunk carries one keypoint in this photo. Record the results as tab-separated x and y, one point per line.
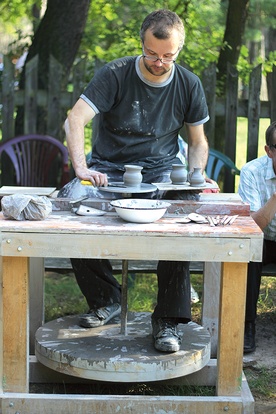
233	35
229	54
270	47
59	34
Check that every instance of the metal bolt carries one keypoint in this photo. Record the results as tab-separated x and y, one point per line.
19	248
241	246
11	404
226	408
230	253
8	241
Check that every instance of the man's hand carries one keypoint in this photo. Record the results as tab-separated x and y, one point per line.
96	178
211	190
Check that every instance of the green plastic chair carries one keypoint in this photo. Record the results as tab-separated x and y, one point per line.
217	162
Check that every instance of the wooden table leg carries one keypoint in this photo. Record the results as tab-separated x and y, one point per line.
231	328
15	296
124	297
36	281
210	303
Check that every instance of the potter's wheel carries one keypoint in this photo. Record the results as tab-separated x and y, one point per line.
119	187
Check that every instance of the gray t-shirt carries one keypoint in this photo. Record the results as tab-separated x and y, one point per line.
138	121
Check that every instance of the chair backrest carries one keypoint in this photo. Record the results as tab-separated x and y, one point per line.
38	160
217	162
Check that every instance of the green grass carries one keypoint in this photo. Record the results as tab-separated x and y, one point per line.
262	382
63	295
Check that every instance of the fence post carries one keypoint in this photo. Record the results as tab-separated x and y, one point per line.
209	85
8	99
54	102
231	113
30	102
273	95
78	80
254	112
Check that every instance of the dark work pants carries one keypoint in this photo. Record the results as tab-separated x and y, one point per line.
100	288
254	279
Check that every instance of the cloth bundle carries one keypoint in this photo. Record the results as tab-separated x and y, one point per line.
26	207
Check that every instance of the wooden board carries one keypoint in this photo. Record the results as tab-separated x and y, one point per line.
186	186
9	190
209	203
15	325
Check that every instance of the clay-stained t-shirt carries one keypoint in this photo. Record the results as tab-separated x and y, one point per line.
138	121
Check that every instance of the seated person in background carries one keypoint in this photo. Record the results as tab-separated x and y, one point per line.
258	188
140	103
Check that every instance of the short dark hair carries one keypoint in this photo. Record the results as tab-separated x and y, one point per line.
269	133
161	22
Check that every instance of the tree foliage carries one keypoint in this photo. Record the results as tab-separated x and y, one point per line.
217	31
112	28
55	36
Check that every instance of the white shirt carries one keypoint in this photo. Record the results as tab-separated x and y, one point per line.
257	185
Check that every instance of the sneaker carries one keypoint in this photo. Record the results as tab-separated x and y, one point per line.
166	338
99	317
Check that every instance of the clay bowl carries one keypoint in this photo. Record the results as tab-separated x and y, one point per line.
140	210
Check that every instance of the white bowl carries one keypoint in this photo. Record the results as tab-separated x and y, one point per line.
140	210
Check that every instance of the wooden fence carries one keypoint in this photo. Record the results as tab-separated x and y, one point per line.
57	101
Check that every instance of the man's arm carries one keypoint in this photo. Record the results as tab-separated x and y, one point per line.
266	213
250	192
74	125
197	147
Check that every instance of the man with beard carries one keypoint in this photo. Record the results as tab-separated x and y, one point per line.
138	105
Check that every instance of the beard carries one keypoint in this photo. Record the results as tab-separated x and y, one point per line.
156	70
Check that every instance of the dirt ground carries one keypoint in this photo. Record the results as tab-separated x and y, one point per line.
264	356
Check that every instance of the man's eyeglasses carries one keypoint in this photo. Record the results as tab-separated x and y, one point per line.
272	146
162	60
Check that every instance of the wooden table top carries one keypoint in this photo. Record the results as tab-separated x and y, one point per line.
110	223
66	234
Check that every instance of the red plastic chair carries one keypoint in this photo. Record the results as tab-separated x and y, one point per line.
38	160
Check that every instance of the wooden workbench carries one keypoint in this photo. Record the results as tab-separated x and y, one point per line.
64	234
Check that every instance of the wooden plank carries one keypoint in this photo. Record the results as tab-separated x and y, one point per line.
231	112
231	332
273	95
31	90
57	264
8	99
1	328
254	112
111	224
15	324
54	116
210	302
106	404
205	206
78	80
15	189
209	84
133	248
231	124
41	374
7	113
36	295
